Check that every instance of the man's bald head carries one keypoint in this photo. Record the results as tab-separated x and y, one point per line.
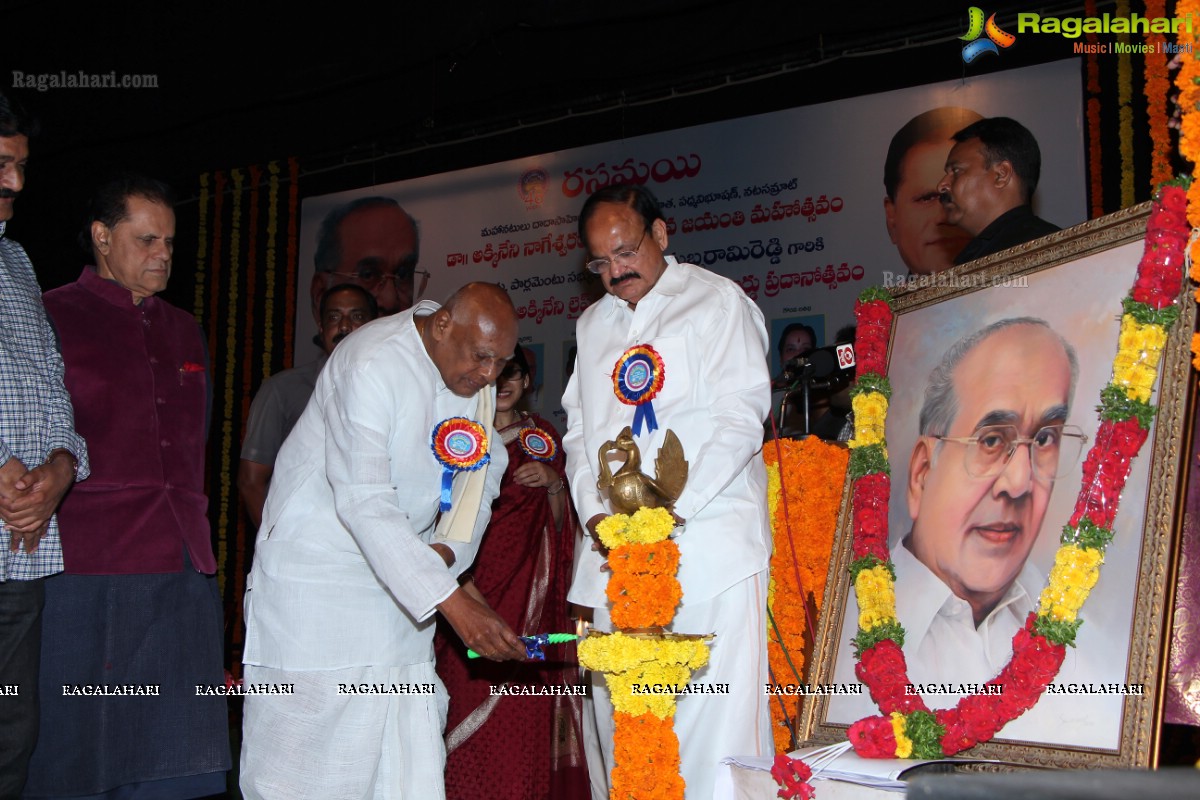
471	337
484	299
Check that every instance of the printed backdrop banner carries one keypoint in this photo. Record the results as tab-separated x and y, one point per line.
787	204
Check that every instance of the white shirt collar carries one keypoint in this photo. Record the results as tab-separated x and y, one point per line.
922	596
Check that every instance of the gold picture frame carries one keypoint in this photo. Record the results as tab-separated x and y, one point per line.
1066	276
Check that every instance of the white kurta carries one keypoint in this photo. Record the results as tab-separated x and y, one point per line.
344	581
942	643
715	397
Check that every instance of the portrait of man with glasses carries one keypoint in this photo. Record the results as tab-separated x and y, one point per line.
374	243
993	440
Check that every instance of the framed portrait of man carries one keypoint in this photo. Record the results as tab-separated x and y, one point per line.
996	370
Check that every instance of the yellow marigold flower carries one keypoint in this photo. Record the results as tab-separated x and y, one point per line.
617	652
904	745
870	411
1076	570
648	662
1072	594
871	618
774	489
611	528
646	526
876	597
875	579
1135	367
1196	337
625	700
1062	613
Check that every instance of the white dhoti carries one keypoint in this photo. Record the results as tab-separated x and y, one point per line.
712	726
323	743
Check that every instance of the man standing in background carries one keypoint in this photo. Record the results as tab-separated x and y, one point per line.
137	603
40	457
991	174
282	397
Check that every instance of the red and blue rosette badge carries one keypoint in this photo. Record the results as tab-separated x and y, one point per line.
637	379
537	444
460	445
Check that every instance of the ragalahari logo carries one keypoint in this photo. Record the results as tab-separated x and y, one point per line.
976	28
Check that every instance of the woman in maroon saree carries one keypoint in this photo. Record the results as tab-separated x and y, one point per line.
519	746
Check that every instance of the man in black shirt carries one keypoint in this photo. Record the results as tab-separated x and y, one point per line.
991	174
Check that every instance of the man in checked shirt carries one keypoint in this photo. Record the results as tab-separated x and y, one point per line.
40	457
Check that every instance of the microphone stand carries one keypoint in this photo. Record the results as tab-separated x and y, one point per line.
805	382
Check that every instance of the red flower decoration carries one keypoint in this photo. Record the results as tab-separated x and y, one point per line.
977	718
1173	198
792	775
1160	272
873	737
1105	470
884	671
871	339
1170	220
870	509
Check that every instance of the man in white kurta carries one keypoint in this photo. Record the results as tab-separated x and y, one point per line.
348	570
715	395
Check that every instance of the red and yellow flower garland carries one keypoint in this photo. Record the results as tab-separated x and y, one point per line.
907	727
644	592
803	526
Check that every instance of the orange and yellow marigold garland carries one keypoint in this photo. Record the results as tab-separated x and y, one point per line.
642	600
1125	111
644	592
642	589
805	497
1188	83
646	750
1156	85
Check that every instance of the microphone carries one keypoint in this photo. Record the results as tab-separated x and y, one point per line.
813	365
